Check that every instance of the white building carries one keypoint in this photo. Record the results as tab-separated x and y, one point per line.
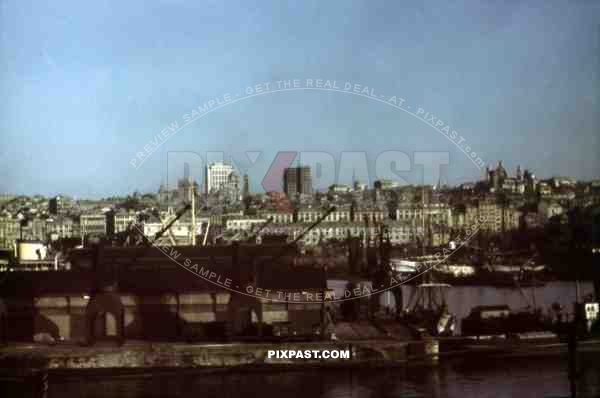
219	176
123	220
277	217
340	188
62	227
93	224
243	223
548	209
180	232
438	213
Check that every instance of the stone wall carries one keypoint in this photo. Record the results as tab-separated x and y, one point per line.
166	355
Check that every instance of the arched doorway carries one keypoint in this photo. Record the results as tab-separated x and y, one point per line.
3	322
105	318
105	325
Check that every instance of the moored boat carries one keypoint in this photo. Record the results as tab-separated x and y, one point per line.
428	311
489	320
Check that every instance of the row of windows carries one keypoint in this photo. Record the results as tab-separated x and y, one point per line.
339	232
393	238
244	223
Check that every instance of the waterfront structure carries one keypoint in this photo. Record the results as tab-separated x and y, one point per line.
297	181
138	293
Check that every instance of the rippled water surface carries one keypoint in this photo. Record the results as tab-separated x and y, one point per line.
493	377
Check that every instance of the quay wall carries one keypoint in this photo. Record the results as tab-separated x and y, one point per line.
175	355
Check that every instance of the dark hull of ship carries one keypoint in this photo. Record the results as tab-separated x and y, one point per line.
515	323
496	279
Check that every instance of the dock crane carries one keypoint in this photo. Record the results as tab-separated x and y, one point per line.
147	243
169	224
307	230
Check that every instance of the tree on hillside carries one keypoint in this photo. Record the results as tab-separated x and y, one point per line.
567	248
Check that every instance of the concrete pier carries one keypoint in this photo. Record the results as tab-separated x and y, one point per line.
140	356
144	355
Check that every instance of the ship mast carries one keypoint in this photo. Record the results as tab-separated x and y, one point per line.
423	219
423	228
193	215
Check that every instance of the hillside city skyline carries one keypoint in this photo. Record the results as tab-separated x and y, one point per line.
257	188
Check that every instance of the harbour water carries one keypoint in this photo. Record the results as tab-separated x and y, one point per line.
544	374
538	376
461	299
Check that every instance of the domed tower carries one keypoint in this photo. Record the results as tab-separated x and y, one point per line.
500	175
501	171
492	179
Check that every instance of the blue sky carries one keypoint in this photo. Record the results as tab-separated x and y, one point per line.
87	84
